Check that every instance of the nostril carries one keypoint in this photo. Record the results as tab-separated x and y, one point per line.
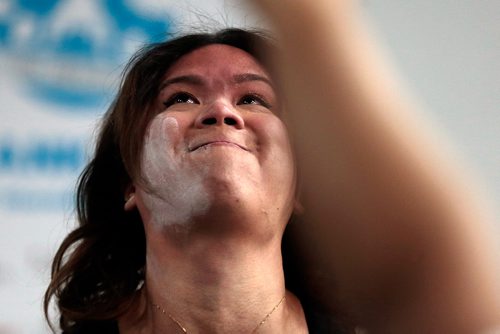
229	121
209	121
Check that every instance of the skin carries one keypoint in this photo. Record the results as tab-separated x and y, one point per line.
196	167
185	194
393	220
220	189
395	225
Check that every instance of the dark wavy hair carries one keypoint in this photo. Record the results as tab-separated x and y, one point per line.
99	266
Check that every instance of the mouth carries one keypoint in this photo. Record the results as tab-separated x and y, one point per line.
207	144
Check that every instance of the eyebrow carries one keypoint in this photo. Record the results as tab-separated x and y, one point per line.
189	79
245	77
200	81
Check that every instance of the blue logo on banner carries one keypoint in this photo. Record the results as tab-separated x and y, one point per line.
69	50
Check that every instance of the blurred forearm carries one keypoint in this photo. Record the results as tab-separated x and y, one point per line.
404	236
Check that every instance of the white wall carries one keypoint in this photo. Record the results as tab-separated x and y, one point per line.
449	52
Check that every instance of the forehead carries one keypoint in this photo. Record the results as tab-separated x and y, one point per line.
216	59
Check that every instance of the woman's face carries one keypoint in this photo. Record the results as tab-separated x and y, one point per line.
217	146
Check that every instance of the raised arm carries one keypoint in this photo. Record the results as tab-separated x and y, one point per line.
401	231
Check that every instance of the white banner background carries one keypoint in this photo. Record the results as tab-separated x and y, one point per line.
60	62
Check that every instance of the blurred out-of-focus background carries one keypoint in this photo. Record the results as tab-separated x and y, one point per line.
60	65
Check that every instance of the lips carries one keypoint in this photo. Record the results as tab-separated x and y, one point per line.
215	142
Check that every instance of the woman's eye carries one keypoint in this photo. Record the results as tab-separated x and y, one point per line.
254	99
180	98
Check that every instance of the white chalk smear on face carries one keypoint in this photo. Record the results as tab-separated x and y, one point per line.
175	192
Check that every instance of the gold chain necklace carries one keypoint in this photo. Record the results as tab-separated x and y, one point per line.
184	330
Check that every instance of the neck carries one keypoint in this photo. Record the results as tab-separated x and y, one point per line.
214	286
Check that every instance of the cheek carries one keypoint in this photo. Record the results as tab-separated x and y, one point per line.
174	194
281	172
162	139
288	162
276	133
276	147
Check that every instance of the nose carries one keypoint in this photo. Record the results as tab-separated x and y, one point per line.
219	113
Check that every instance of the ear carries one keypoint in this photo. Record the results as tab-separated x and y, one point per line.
130	202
